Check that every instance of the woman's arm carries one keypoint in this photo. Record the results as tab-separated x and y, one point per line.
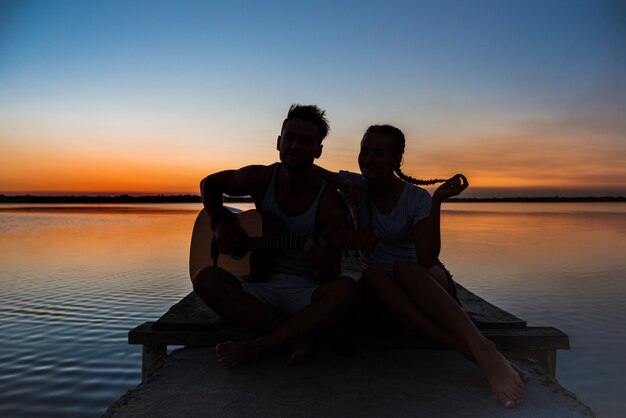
428	231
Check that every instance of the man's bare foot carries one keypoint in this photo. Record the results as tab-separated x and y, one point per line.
504	380
300	352
233	353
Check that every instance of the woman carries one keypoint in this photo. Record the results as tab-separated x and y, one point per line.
403	269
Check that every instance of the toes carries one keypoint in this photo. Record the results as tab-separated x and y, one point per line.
299	353
522	374
508	403
512	396
225	363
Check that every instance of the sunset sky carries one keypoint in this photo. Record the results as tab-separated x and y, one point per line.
523	97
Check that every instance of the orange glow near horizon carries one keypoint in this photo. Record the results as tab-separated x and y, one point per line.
506	163
98	175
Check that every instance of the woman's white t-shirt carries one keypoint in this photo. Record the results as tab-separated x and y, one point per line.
395	231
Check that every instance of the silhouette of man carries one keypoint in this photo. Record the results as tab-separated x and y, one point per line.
304	292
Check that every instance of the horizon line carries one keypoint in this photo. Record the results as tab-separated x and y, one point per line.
196	198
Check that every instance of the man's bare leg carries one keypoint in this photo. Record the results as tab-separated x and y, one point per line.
329	303
222	292
435	302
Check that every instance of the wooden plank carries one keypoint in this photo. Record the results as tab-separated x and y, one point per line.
528	339
191	313
148	334
515	339
484	314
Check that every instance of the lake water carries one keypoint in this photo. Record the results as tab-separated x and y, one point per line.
75	278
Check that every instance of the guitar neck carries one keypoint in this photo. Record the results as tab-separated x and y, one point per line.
276	242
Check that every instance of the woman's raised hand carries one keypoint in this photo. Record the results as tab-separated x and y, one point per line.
451	187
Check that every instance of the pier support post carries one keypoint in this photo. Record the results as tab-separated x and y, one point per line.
153	359
547	360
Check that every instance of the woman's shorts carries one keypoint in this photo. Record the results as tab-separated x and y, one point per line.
451	286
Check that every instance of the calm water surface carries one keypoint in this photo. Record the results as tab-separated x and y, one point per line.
75	278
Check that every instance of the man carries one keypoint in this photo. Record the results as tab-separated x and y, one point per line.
304	292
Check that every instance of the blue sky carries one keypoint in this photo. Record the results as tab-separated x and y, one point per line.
510	93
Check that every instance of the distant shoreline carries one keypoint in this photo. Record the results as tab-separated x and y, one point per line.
189	198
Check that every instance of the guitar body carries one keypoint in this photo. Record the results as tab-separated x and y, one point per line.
202	239
263	237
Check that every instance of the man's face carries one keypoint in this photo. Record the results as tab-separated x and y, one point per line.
299	144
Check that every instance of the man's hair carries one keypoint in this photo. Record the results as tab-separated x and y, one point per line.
309	113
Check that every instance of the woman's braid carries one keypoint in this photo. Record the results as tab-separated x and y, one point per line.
398	149
413	180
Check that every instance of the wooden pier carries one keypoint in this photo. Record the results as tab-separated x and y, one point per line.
191	323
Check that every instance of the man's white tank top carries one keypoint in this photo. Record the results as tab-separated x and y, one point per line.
292	261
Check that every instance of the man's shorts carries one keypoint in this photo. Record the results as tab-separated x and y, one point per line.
285	294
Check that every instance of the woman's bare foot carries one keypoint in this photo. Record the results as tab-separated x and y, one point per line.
300	352
233	353
505	381
522	374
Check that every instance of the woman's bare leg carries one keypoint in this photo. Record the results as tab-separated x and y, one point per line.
436	303
399	304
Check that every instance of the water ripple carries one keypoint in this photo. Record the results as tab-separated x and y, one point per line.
68	301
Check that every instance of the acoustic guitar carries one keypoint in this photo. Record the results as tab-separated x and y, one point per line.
250	260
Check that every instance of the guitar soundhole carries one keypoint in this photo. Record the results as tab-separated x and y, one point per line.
242	248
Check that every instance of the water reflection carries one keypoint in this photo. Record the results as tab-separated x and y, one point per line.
559	265
73	284
510	241
74	281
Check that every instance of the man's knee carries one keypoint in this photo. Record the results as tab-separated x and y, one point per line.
344	291
209	281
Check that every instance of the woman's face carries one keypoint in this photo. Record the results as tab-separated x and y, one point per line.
376	158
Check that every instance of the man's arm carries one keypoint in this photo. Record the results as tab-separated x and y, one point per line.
352	192
332	217
246	181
